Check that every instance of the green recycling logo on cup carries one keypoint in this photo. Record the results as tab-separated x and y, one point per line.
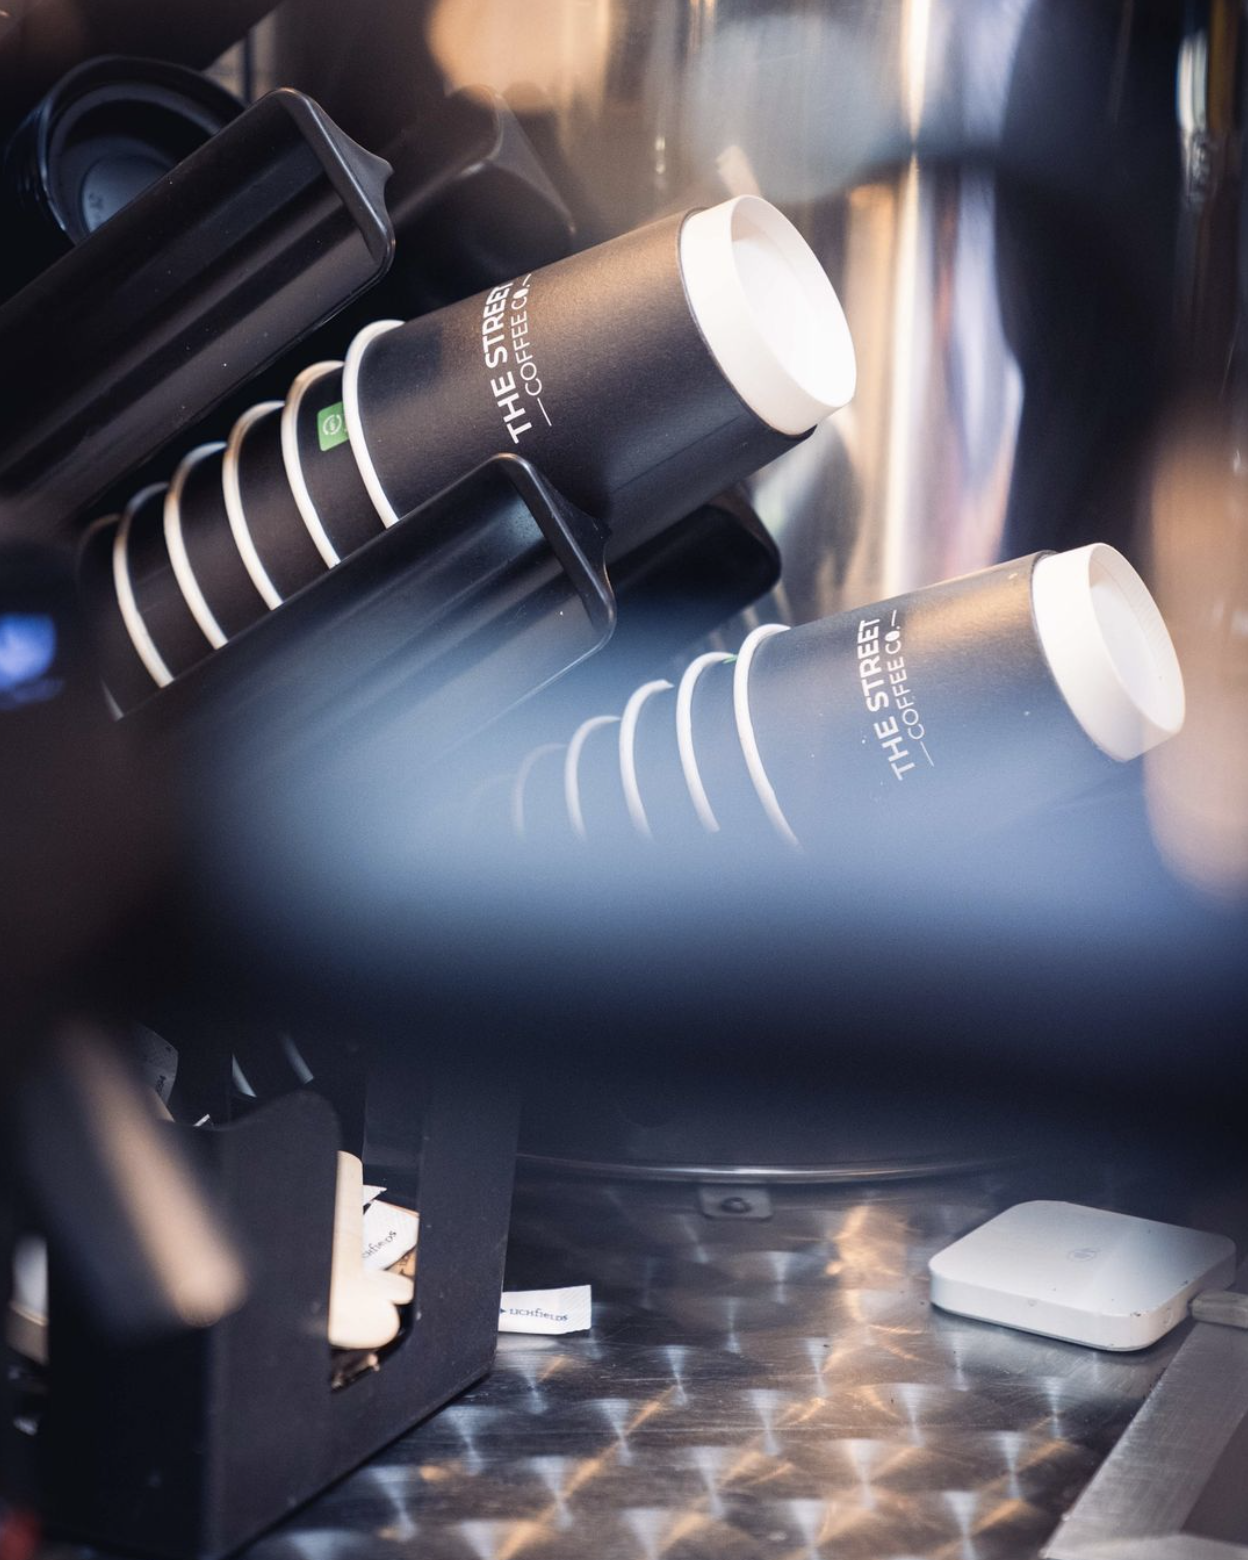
331	427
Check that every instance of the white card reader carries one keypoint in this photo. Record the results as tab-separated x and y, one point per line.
1108	1280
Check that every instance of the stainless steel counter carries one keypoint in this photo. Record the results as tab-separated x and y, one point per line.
753	1387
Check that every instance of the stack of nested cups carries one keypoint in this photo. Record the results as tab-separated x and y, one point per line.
930	718
641	377
240	528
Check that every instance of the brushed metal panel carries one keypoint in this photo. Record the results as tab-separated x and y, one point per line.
1143	1496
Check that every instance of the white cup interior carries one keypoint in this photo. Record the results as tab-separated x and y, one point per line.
768	312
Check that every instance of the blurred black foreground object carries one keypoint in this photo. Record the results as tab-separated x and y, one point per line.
82	1159
1054	958
83	829
338	863
1059	957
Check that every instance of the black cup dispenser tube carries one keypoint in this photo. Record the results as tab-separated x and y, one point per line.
210	275
108	130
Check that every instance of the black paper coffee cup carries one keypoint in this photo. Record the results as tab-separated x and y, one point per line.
128	677
640	376
592	786
209	567
278	547
156	612
958	708
536	807
320	463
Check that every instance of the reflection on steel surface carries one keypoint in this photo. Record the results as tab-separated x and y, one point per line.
649	93
755	1388
912	482
1198	489
845	1169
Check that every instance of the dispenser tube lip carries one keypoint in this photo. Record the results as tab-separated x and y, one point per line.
768	312
1108	649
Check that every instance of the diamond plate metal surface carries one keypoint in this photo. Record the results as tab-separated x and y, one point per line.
754	1388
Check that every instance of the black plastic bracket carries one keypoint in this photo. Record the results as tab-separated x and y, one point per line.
188	1446
463	609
